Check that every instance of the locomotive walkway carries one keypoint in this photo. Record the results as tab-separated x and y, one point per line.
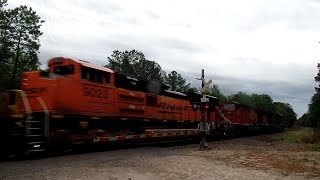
259	157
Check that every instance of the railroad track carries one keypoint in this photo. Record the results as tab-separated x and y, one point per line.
108	146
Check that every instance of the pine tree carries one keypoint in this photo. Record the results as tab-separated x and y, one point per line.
19	43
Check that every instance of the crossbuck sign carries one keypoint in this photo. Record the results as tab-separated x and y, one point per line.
206	85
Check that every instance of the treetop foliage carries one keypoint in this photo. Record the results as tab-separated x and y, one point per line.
265	103
314	106
3	3
177	82
134	63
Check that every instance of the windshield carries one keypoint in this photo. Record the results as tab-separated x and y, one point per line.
64	70
228	106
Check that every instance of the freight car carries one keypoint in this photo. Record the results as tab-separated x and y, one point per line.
78	102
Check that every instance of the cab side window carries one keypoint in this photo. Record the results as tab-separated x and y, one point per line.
95	75
107	77
92	75
64	70
84	73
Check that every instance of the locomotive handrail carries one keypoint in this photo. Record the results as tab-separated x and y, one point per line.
46	118
28	109
225	119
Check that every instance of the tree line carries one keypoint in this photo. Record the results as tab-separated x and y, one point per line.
19	46
312	117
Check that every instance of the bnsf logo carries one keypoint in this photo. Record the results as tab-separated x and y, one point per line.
93	92
172	107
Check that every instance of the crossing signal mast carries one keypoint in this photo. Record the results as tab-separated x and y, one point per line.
203	126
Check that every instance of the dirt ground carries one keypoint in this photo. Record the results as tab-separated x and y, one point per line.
259	157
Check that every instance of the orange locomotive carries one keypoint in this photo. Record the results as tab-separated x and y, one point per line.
240	119
77	102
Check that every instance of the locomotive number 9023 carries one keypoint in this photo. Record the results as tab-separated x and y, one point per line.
93	92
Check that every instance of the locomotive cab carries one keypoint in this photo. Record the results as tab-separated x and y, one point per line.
60	67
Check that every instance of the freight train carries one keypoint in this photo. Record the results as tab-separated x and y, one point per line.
77	102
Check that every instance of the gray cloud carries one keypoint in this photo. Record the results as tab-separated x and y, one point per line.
298	14
298	97
178	44
256	47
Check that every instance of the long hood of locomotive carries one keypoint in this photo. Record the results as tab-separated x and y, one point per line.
63	95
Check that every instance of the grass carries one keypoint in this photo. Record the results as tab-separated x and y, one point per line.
316	146
307	157
305	135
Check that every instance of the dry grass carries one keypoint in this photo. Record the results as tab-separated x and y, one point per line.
306	135
287	153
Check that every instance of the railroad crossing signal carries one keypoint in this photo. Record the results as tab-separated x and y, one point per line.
204	106
205	85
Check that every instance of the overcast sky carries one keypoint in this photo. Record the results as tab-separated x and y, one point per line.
269	46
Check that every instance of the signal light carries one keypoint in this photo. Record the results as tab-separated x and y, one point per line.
205	107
